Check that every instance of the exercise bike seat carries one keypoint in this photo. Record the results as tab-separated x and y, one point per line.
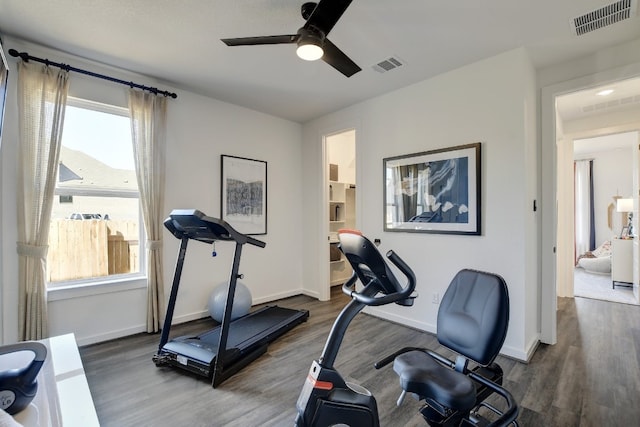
420	374
472	321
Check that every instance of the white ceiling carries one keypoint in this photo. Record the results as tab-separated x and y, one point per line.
625	95
178	41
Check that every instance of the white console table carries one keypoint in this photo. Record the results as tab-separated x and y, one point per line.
622	262
63	397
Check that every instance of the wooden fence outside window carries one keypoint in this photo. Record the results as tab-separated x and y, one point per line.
80	249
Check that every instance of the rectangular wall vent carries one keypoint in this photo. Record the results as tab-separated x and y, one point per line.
388	64
603	17
600	107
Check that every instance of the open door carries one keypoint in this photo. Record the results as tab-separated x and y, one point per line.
340	157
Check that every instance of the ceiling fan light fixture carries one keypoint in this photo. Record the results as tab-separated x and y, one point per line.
309	52
309	46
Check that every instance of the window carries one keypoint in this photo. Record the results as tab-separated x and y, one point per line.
96	225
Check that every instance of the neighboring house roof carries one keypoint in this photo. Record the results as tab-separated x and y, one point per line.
79	170
65	174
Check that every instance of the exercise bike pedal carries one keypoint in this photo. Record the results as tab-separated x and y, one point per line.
400	400
403	395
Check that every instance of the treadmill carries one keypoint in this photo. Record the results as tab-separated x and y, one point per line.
229	347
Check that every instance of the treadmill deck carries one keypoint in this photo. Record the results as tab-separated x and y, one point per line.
247	334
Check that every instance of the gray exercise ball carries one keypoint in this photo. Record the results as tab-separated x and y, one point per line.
241	302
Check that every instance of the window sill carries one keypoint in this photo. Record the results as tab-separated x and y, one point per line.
85	289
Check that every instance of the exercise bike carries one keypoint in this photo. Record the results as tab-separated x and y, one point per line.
326	398
472	321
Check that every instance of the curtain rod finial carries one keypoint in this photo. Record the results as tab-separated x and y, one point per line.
15	54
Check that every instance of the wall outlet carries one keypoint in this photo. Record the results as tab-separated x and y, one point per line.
435	298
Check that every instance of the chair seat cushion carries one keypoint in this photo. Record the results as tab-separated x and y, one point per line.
420	374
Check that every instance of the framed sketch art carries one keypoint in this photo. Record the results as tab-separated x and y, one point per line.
434	191
244	194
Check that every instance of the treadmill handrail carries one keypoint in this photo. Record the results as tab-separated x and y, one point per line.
194	224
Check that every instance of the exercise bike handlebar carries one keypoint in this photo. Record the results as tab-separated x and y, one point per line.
402	294
509	416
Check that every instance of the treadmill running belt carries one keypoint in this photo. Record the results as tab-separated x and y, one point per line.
246	333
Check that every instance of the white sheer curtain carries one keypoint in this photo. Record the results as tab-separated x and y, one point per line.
42	96
148	124
582	193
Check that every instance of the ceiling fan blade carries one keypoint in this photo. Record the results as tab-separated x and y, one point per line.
326	14
250	41
338	60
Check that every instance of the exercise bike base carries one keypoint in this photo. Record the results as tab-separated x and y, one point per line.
326	399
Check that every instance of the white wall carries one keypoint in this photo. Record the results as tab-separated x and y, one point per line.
199	130
341	149
491	101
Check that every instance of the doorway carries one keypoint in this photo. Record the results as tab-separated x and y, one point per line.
597	133
340	164
602	191
552	253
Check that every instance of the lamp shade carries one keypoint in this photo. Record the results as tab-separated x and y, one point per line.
624	205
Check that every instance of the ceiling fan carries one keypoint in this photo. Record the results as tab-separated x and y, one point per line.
311	38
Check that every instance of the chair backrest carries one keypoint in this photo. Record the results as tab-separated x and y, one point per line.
474	315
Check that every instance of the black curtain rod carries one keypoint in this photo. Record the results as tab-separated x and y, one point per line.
26	57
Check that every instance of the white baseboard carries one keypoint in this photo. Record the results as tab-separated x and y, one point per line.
513	353
311	294
532	347
110	335
275	297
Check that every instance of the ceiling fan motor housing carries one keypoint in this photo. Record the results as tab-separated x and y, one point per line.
307	9
310	35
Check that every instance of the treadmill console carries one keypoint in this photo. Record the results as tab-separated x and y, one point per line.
193	224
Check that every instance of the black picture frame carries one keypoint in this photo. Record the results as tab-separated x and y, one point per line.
243	195
435	191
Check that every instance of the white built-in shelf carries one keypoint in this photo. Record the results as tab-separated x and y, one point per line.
341	215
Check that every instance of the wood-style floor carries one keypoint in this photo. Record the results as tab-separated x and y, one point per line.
590	378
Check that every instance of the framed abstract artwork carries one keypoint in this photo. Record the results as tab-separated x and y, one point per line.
435	191
244	194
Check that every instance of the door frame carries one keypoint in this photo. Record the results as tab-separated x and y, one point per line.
549	182
324	291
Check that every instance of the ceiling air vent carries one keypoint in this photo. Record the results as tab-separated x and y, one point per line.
603	17
628	101
388	64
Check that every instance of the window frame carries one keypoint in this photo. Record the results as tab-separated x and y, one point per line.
114	282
